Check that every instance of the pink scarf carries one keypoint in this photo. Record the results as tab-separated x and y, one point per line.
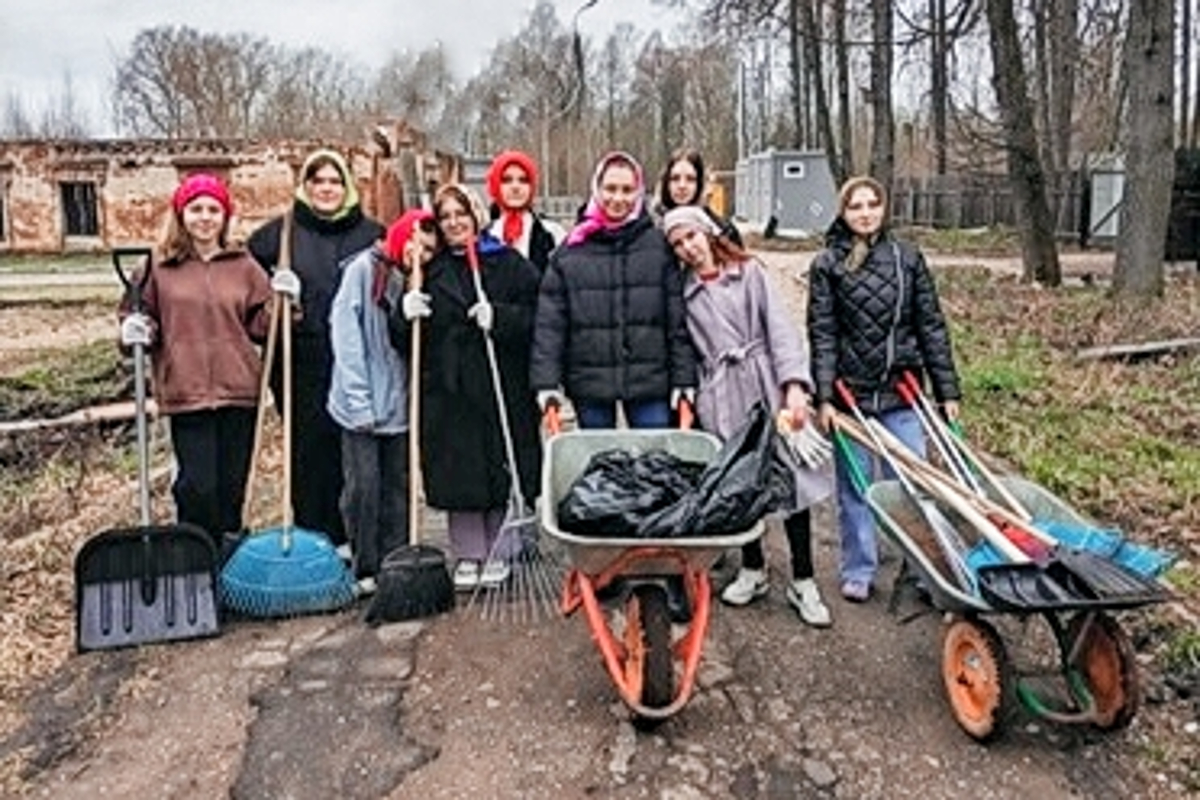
594	219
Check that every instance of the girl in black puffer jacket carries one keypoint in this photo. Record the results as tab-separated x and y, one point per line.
610	320
873	314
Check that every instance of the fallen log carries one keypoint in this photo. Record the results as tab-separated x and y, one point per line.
93	415
1136	352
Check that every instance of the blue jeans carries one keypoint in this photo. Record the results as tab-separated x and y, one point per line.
639	414
860	551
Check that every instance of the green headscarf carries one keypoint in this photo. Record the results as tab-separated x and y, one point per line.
349	201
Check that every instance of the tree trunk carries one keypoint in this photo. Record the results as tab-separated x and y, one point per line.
1064	56
1149	157
1025	171
1185	74
796	74
883	131
939	82
841	58
812	56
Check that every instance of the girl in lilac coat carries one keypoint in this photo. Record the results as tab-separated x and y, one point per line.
750	351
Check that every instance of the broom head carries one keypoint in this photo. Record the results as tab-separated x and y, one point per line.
282	572
412	583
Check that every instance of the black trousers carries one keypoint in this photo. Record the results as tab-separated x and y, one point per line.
798	528
212	456
374	496
316	452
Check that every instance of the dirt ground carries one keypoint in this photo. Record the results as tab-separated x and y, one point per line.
454	706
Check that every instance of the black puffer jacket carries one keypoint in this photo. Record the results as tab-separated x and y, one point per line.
610	319
870	325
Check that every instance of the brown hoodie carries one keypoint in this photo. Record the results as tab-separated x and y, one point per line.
208	316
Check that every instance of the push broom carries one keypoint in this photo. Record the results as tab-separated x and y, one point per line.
286	570
413	580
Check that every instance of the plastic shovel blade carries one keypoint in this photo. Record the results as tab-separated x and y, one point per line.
147	584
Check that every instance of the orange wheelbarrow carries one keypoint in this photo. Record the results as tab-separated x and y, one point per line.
621	583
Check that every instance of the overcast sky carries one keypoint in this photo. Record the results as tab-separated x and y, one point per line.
41	40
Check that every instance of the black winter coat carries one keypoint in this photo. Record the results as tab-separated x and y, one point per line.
462	450
610	319
869	326
319	246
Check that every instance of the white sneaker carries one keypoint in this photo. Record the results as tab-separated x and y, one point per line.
749	584
366	586
466	575
344	552
805	597
495	572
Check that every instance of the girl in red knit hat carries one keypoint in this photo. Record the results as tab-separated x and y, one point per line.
512	186
205	306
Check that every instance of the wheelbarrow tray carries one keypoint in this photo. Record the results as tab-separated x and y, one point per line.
567	456
1072	580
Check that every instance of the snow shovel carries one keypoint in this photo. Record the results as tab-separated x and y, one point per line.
150	583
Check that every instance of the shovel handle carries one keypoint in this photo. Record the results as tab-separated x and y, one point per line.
134	289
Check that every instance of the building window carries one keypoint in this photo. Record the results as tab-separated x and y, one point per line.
79	209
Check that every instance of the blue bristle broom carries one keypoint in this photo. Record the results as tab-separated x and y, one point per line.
283	571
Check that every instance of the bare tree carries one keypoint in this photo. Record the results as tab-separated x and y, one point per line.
883	124
17	124
1025	170
1149	156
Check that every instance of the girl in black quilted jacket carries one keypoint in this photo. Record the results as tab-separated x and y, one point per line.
873	314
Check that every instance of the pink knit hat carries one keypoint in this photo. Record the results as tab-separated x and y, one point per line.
200	184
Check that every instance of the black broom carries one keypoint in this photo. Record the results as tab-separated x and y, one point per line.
413	580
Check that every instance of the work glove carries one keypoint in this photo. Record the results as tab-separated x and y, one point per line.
415	304
813	449
285	281
483	314
136	328
549	397
687	393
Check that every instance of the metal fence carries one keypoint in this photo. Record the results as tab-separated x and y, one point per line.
978	201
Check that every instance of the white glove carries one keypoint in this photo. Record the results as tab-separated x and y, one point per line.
688	394
136	329
483	314
549	397
813	449
415	304
285	281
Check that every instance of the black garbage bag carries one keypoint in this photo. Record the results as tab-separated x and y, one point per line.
752	475
618	489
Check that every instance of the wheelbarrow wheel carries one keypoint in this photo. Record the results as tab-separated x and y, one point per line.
1105	658
977	677
648	644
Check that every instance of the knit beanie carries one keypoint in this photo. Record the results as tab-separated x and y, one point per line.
201	184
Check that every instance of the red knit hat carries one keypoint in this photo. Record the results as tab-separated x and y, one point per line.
400	231
200	184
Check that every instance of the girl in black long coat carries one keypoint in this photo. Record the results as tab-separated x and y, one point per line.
328	227
462	449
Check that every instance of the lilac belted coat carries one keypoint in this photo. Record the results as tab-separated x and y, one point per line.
748	348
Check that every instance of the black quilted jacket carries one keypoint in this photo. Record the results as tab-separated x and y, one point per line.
610	319
870	325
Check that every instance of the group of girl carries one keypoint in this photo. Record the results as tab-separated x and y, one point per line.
602	316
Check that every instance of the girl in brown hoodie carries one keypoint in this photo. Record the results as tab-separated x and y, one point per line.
204	307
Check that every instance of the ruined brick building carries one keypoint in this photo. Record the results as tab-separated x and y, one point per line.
80	195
